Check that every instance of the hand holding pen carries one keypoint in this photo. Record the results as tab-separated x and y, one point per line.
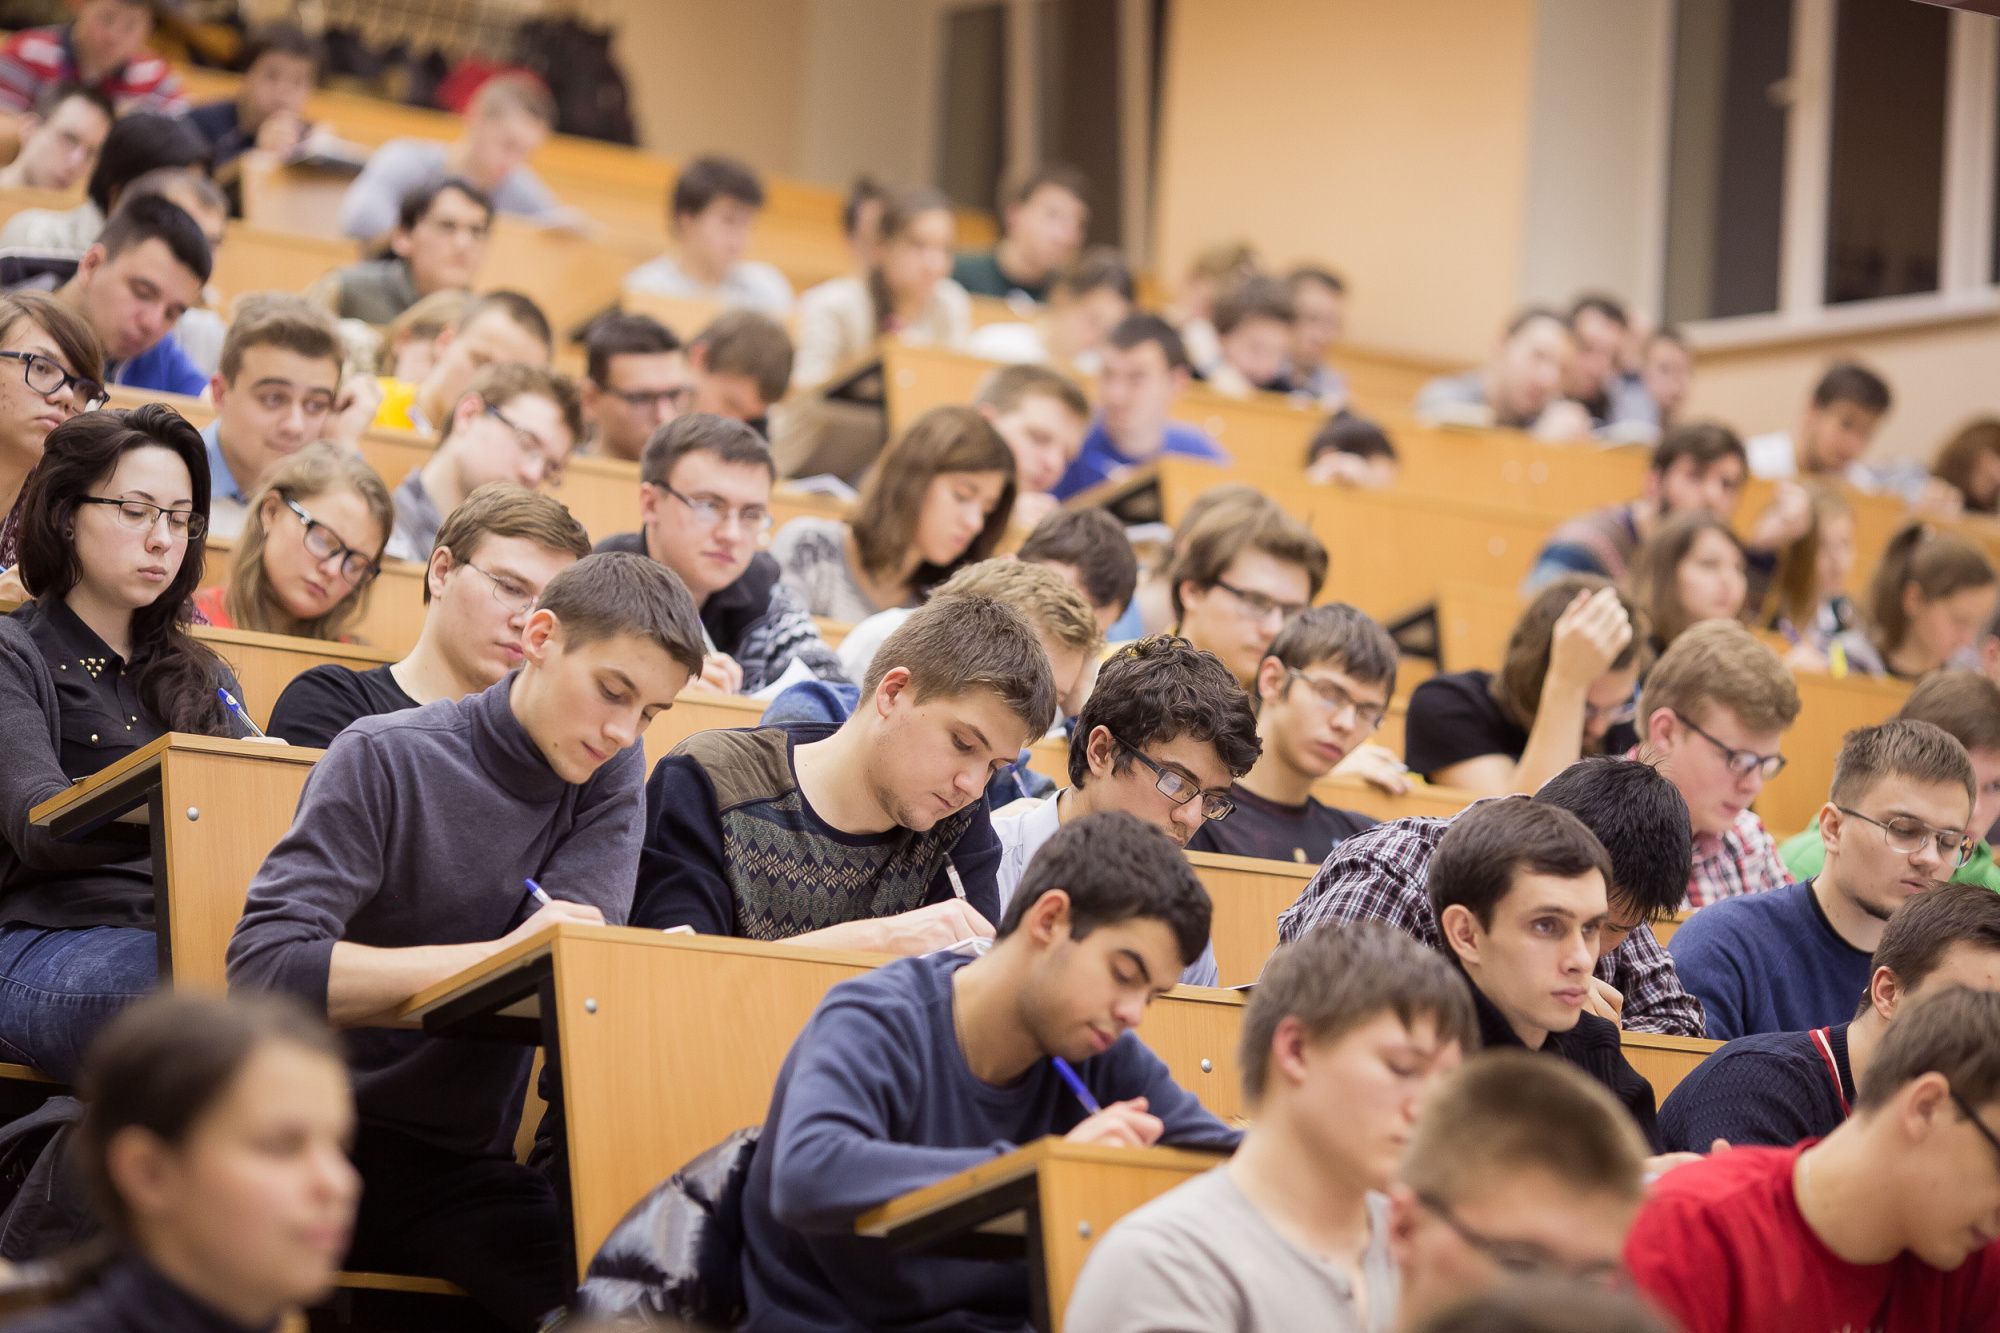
1123	1124
551	911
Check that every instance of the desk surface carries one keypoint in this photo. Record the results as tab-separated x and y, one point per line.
117	788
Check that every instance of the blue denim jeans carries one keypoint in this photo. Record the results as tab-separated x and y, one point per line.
58	987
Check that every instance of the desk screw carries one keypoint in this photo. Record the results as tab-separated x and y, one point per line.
194	813
1083	1230
1208	1066
590	1006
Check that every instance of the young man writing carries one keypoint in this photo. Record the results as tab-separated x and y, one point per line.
407	862
274	393
1779	1088
710	214
1519	388
438	246
1042	224
1341	1038
498	328
1519	889
928	1066
1795	958
494	556
872	835
1235	585
1042	414
515	423
705	508
636	380
132	286
1320	694
1636	814
1145	369
1887	1223
60	139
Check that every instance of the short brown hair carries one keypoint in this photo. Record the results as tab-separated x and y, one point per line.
743	342
1721	662
1204	554
1655	579
1492	842
1706	443
1960	458
702	432
501	383
1094	543
1949	1033
1334	980
1256	297
1517	685
1900	748
1924	929
1343	636
1004	389
1503	1113
619	592
278	319
504	509
1060	175
519	310
1045	597
944	439
1964	703
1938	563
955	645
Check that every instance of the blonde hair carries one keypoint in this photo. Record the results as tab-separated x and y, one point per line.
1721	662
1796	589
1051	604
318	469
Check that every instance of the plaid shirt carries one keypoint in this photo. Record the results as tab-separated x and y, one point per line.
1743	860
1379	875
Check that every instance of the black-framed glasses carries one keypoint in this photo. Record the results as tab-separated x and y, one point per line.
1334	696
675	399
709	512
1261	605
1522	1257
323	543
1908	835
140	516
1741	763
44	376
511	595
1178	789
1985	1130
533	445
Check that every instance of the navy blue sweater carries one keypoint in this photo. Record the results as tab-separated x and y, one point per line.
1769	962
1771	1089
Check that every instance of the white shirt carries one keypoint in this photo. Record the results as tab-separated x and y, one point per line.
749	285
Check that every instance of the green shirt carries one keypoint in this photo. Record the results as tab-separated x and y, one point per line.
1804	854
979	272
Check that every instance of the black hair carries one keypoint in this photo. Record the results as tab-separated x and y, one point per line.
1136	330
1346	432
1094	543
707	179
1642	821
699	433
1486	847
618	334
418	202
1157	689
139	143
152	217
1115	867
279	39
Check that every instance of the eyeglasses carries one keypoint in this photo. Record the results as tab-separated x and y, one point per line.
1180	790
1742	763
140	516
1260	605
709	512
1612	714
553	466
45	377
1522	1257
676	398
1985	1130
1907	835
323	543
1335	698
511	595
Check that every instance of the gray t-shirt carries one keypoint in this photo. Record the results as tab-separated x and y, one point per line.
401	167
1202	1259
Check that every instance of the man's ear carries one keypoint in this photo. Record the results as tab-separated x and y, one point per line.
1288	1049
93	259
439	568
1272	677
400	243
1048	919
1923	1104
1660	729
1885	992
1461	931
1100	752
541	636
1831	824
894	682
649	504
697	355
218	388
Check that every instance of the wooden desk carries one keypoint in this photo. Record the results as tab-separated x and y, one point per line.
1248	894
391	618
1664	1060
1828	710
698	710
1049	1202
665	1043
265	663
214	808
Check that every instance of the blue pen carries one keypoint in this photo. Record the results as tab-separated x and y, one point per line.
1076	1086
541	895
236	711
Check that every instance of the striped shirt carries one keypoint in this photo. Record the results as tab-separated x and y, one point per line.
39	58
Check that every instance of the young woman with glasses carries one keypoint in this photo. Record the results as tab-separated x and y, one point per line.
312	547
50	368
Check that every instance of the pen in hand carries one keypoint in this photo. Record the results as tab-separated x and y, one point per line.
236	711
1076	1084
540	894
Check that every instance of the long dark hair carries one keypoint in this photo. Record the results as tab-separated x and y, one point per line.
176	675
944	439
903	208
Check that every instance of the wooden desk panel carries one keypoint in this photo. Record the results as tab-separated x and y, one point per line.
265	663
1828	710
1248	895
1665	1061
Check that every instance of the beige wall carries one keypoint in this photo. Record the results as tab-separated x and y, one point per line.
1389	139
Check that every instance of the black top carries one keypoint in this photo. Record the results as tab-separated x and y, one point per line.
1593	1045
321	703
1305	834
222	125
1772	1088
133	1297
1454	717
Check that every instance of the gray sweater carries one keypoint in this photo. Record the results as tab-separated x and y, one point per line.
418	828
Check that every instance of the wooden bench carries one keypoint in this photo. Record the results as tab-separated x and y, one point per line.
266	663
1664	1060
1247	895
1828	710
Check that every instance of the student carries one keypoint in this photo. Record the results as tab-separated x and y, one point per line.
1815	573
1351	450
1087	547
1343	1034
136	145
497	328
861	220
1042	226
214	1141
505	122
742	364
534	779
1840	421
1236	584
710	214
438	245
1969	463
60	365
909	294
929	1066
515	423
1517	1165
1254	323
1519	388
1886	1223
133	284
1699	467
869	836
1693	568
1931	592
636	380
1320	693
1666	374
1967	706
1597	327
409	349
313	546
275	392
1086	301
1568	686
1536	1305
103	49
1796	957
1519	890
1379	875
1213	270
1042	415
494	556
98	664
280	64
938	499
1319	304
1779	1088
704	508
1145	369
60	139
